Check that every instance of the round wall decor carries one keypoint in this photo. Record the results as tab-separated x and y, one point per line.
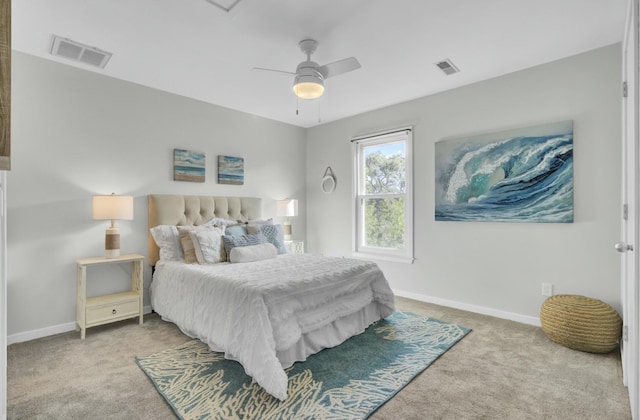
328	183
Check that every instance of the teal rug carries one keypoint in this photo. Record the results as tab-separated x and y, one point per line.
349	381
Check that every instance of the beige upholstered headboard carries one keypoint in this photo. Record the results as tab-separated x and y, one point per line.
193	210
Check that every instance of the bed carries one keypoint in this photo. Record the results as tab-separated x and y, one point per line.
266	314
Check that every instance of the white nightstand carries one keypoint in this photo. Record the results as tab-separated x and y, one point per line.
108	308
294	247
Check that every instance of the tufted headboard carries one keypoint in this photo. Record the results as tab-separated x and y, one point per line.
193	210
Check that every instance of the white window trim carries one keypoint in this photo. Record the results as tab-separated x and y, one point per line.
374	253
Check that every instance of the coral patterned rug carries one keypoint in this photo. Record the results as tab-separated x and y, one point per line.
349	381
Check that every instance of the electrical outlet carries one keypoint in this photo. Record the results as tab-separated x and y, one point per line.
547	289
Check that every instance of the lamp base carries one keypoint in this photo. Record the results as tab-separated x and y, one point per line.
112	243
286	230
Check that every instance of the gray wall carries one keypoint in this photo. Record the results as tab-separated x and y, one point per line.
495	268
76	134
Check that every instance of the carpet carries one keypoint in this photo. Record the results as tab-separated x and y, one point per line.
349	381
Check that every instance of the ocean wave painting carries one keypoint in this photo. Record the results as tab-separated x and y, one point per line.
230	170
188	166
523	175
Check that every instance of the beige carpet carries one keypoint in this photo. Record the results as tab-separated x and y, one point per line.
501	370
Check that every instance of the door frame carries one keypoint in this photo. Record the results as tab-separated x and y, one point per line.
630	351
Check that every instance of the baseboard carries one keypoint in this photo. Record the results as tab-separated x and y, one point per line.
53	330
71	326
524	319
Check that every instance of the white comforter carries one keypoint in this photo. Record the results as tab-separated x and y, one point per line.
251	310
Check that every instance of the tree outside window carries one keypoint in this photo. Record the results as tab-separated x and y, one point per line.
383	188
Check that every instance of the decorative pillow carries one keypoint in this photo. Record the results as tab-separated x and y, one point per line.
187	244
188	248
207	244
218	221
236	230
260	222
168	240
252	253
272	234
231	242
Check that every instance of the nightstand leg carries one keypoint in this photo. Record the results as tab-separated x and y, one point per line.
137	281
81	299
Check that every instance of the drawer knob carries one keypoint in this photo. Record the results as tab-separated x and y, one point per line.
114	312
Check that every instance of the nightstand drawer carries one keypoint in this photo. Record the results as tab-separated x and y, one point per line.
108	312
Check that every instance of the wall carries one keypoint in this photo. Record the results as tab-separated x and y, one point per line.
78	133
495	268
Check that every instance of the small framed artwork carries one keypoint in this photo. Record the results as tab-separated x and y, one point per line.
188	166
230	170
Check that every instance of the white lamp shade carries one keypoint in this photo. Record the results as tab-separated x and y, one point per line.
112	207
287	208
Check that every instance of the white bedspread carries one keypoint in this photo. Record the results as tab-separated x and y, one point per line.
251	310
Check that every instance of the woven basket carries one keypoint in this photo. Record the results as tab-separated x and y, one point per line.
581	323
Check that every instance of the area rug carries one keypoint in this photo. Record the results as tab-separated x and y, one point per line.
349	381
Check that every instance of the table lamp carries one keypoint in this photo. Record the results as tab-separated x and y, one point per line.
287	208
112	207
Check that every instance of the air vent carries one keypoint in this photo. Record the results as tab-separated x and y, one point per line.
225	5
447	67
72	50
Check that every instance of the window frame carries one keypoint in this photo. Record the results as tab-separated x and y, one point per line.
359	195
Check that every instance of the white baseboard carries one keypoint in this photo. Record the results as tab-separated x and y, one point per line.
524	319
71	326
46	332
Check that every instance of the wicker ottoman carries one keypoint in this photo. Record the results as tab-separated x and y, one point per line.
581	323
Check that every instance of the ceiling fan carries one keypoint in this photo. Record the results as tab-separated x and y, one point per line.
308	82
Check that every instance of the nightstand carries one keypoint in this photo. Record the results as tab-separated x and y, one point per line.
100	310
294	247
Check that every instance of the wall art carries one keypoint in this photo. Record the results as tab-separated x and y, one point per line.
230	170
522	175
188	166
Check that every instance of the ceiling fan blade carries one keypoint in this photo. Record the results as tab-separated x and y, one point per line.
275	71
339	67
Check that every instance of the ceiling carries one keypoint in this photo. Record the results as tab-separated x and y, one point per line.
194	49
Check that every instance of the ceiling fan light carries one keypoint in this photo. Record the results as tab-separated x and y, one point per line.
308	87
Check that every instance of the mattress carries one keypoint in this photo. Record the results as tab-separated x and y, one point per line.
269	314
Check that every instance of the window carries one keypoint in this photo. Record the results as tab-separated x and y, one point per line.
383	196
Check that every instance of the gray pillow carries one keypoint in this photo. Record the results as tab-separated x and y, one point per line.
231	242
236	230
272	234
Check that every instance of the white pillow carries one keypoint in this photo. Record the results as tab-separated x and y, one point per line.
252	253
218	221
260	222
208	246
188	247
168	240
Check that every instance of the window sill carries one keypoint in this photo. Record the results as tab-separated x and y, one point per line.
382	257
